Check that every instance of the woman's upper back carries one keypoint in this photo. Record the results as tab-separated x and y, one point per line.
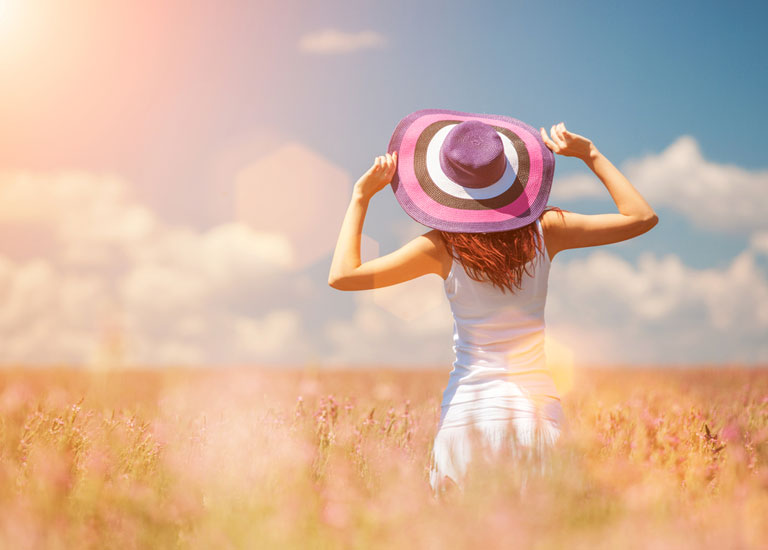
487	318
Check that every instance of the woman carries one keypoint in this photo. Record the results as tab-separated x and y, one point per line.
481	182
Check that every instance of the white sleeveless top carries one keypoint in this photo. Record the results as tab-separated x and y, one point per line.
498	342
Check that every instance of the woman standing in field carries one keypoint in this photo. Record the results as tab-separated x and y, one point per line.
481	183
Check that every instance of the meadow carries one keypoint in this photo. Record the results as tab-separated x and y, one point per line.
321	458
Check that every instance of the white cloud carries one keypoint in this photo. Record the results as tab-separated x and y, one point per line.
577	186
90	215
660	310
759	242
120	283
120	279
47	316
271	336
713	196
410	323
412	299
334	41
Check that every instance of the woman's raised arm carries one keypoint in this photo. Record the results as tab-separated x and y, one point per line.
572	230
418	257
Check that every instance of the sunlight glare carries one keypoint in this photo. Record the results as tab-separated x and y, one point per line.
10	22
560	361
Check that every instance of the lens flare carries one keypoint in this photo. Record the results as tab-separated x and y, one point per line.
560	361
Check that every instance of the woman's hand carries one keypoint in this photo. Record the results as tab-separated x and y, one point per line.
568	144
378	176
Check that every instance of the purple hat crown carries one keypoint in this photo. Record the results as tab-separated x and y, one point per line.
472	154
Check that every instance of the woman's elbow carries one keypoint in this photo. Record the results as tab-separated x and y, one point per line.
649	222
337	283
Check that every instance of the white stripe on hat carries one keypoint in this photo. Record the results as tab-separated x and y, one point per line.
450	187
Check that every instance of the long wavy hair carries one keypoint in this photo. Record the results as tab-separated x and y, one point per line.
501	257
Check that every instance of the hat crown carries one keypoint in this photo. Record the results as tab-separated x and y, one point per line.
472	154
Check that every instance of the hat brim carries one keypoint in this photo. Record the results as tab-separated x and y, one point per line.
431	198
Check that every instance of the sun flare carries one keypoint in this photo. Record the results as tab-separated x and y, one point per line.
560	363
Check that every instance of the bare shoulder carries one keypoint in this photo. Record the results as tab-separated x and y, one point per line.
552	223
439	250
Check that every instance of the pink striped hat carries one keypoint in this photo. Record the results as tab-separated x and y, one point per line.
468	172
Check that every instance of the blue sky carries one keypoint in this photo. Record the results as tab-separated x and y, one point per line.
187	105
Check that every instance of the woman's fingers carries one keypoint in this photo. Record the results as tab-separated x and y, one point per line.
384	164
558	135
548	142
556	138
561	139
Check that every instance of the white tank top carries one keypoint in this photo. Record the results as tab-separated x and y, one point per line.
498	338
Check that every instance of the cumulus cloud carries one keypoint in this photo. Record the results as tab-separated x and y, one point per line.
759	242
611	311
48	317
713	196
271	336
334	41
409	323
112	282
577	186
118	278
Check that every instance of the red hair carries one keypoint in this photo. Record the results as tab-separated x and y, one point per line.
499	257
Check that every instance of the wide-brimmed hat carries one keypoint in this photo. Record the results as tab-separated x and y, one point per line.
469	172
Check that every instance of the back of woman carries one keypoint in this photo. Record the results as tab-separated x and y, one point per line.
499	382
481	182
498	335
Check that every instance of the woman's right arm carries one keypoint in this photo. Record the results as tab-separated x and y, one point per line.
572	230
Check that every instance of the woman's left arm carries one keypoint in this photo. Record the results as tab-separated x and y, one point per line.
418	257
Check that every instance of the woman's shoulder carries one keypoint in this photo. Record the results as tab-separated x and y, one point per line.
440	251
551	221
552	216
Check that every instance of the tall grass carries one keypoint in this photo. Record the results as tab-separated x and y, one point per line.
264	458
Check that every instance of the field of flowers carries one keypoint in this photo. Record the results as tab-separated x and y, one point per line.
316	458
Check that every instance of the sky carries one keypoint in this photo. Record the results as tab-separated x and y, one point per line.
173	175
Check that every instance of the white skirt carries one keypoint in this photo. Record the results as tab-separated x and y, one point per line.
517	422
